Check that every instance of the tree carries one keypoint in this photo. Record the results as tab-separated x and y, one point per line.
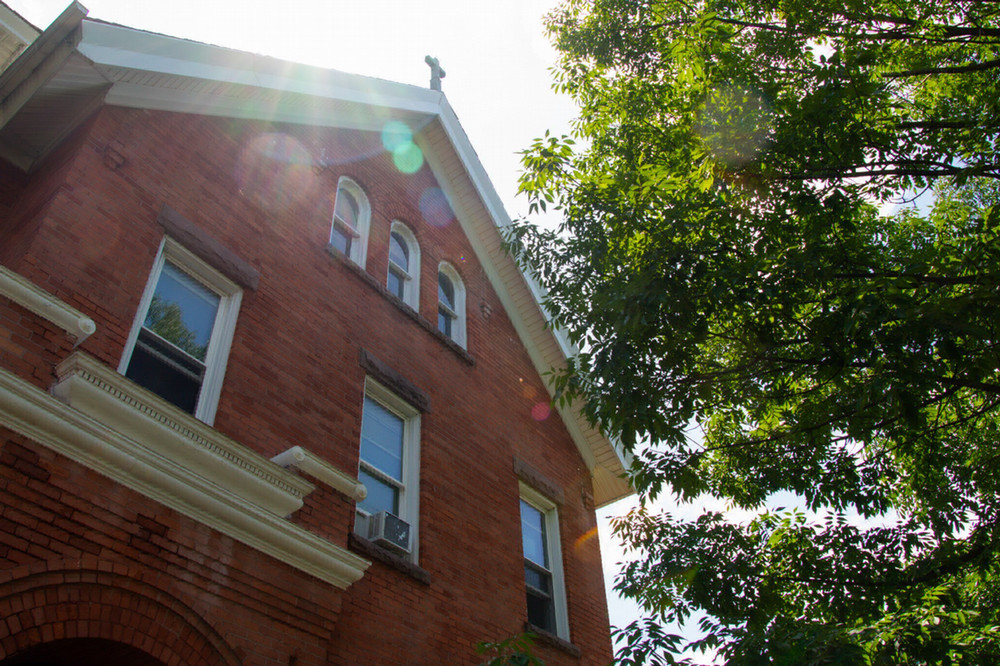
513	651
752	321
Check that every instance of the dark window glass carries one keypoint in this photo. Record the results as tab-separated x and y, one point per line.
345	221
399	253
537	576
446	305
170	351
446	292
340	239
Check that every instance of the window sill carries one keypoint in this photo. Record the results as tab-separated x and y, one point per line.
548	638
400	305
363	546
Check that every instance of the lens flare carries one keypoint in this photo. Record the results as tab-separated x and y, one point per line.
541	411
585	537
435	208
735	124
275	172
408	157
395	135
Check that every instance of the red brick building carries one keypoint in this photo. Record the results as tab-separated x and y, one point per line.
270	390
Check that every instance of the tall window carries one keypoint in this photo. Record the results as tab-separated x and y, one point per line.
180	339
351	220
451	304
543	579
403	278
389	461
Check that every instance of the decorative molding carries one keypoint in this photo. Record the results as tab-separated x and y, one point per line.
144	466
315	466
32	297
394	381
119	403
208	248
541	483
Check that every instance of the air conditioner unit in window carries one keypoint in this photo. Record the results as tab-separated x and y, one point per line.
390	531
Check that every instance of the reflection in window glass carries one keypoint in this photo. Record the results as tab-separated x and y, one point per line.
169	354
382	439
533	534
381	496
182	311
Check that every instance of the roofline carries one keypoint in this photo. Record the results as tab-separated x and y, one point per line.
112	45
39	60
219	81
17	24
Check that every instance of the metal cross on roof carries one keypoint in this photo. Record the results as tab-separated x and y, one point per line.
436	72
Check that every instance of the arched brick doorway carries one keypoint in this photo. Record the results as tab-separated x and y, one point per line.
82	652
45	615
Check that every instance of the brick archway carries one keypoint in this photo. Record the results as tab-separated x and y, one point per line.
81	652
58	604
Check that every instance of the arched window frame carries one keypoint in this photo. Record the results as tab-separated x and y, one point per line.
456	314
409	276
356	236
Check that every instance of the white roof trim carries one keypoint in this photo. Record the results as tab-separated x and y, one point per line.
199	78
115	46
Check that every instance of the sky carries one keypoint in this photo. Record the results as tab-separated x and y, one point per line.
495	55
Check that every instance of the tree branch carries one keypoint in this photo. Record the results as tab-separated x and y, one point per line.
956	69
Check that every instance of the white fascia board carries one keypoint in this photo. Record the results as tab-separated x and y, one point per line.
121	47
17	26
537	336
520	315
491	200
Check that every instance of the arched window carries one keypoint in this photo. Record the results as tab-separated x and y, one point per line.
451	304
403	277
351	220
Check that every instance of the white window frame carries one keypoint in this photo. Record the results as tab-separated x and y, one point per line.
359	244
553	548
411	275
409	495
458	333
217	355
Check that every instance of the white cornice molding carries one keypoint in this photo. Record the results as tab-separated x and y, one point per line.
130	410
32	297
148	465
313	465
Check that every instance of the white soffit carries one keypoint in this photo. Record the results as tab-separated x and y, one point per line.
156	71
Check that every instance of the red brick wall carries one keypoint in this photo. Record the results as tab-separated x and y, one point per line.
81	556
293	378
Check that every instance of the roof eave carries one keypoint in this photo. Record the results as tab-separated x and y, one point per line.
146	70
39	61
